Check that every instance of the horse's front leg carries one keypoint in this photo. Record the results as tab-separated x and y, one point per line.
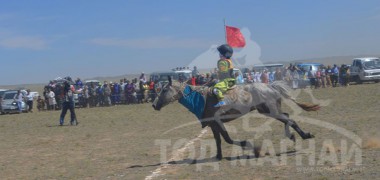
216	132
227	138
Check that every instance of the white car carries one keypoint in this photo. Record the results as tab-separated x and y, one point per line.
8	104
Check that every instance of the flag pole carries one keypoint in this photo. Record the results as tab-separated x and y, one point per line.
225	31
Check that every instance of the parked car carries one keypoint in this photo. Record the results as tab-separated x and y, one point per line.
305	67
365	69
9	105
2	91
95	82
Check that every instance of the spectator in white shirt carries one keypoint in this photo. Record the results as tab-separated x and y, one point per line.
29	100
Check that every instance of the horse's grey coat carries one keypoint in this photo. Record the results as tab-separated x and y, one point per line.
241	100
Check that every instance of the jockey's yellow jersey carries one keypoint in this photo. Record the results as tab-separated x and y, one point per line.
225	69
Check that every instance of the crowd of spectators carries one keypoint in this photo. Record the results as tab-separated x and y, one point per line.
324	76
94	94
141	90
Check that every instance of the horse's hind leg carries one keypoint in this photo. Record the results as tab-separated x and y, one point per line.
284	117
289	122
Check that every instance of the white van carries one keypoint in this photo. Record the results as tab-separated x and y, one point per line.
365	69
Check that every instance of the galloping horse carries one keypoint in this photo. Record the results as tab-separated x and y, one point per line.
266	99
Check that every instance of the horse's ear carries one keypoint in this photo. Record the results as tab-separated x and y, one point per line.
170	80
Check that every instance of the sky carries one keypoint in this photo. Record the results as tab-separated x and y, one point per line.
44	39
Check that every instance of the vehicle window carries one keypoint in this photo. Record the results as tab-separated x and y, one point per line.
355	63
9	95
372	64
306	67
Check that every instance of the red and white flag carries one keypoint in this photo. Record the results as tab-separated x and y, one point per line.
234	37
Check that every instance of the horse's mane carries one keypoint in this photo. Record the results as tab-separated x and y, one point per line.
181	86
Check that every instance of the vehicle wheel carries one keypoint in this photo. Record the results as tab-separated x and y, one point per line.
377	81
358	81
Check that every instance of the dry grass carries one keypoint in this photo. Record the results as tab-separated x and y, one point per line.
119	142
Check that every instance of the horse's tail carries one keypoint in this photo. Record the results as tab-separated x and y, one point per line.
308	106
284	90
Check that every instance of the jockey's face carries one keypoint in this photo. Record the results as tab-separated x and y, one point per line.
221	56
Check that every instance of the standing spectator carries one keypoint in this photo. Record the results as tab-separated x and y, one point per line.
130	93
140	93
40	104
271	76
335	75
278	75
323	76
100	95
318	77
143	77
294	77
181	79
348	73
68	104
311	77
193	80
328	76
117	91
46	97
249	77
257	77
52	101
112	96
107	94
79	83
303	78
19	97
146	92
58	95
343	75
264	77
29	102
86	96
239	78
91	95
195	72
152	91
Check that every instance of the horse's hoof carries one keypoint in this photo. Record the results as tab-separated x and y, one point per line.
293	137
219	157
309	136
246	145
243	143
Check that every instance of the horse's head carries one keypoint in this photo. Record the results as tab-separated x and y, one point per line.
165	95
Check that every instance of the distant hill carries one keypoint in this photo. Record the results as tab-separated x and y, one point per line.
327	60
324	60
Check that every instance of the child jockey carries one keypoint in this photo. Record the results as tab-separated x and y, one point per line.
225	74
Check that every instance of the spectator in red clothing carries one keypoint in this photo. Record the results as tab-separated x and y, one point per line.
264	77
193	81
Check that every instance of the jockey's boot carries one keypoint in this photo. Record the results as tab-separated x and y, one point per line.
220	104
219	94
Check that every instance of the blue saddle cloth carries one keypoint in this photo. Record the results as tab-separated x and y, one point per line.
193	101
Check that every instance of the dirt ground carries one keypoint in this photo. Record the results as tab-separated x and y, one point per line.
133	141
